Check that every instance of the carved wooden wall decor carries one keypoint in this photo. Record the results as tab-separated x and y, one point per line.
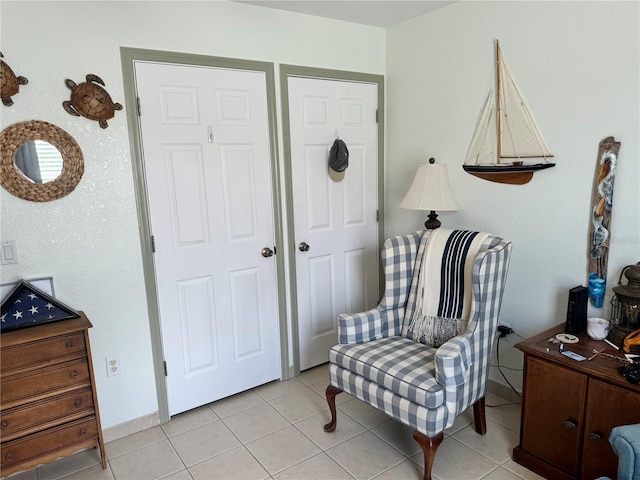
10	83
91	100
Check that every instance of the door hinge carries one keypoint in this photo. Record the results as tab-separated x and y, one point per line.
153	244
377	115
165	368
377	215
139	107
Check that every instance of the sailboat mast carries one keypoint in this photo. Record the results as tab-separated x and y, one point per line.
498	103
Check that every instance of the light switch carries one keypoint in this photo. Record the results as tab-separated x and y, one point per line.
8	252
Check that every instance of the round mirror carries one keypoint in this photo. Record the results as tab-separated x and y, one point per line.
40	161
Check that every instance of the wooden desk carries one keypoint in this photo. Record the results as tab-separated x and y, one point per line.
570	407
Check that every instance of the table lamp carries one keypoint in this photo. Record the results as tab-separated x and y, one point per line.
431	191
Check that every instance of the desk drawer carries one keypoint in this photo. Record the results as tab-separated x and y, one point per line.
79	432
44	382
41	351
42	414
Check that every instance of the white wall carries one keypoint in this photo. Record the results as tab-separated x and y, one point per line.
89	240
576	63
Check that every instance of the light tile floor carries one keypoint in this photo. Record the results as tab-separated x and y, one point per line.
275	432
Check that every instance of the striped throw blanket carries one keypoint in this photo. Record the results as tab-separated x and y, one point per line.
444	293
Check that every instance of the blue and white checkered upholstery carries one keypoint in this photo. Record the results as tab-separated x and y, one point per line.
421	386
398	259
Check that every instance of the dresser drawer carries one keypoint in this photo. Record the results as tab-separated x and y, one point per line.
43	383
42	414
42	352
80	433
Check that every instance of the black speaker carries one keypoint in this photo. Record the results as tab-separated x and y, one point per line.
577	310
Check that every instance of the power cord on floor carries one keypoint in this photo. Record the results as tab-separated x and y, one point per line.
500	337
503	331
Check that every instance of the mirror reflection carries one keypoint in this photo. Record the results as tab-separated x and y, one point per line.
39	161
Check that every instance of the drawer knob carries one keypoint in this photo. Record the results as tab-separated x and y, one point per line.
78	402
4	425
70	344
569	424
73	374
595	436
9	456
83	431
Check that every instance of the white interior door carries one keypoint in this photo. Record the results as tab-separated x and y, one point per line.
205	138
334	214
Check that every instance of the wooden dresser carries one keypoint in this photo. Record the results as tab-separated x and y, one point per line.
48	407
570	407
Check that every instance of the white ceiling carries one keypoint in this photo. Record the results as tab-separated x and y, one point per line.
378	13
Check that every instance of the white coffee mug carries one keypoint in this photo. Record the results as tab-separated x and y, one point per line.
597	328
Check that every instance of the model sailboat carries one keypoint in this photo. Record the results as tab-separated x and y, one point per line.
507	141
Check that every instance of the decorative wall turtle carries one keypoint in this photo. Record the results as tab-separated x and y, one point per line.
10	83
90	100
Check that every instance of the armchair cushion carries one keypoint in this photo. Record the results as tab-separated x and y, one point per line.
399	364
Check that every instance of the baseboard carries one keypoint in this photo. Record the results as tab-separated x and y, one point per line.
130	426
503	391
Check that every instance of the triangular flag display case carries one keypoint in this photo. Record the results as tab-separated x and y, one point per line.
27	306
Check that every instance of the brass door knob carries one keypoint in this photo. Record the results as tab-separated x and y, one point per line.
304	247
267	252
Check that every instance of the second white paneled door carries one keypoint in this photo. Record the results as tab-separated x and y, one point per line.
206	145
335	215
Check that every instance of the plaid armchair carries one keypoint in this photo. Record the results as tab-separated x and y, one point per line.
424	387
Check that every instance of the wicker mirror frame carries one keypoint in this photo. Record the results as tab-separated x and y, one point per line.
16	183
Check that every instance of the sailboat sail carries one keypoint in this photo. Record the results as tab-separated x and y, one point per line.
506	139
483	147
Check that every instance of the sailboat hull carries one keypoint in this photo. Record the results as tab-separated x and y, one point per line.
509	174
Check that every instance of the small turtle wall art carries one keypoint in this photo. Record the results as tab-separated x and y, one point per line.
90	100
10	83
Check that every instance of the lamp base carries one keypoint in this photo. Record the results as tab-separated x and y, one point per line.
433	221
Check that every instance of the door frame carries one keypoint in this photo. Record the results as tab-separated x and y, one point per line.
128	57
287	71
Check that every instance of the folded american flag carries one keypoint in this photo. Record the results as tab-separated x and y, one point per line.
27	305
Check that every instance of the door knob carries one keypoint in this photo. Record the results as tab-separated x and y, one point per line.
304	247
267	252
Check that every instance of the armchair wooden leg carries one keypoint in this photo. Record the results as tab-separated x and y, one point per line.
429	447
479	417
331	400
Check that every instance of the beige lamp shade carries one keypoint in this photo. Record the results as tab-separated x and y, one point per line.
431	190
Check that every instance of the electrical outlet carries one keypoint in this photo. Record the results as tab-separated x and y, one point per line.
113	365
504	324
